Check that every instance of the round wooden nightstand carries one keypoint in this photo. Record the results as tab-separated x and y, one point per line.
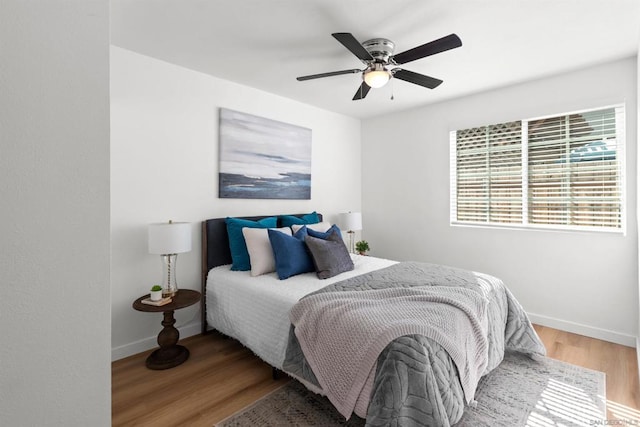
169	354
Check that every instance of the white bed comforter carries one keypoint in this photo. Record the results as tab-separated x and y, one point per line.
255	310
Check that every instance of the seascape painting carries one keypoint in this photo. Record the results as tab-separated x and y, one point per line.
262	158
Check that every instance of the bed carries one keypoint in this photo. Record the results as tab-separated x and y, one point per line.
419	373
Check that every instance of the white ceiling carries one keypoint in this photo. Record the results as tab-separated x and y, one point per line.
266	44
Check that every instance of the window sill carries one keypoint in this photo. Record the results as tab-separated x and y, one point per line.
544	228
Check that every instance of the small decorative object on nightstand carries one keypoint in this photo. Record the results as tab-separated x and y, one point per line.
169	354
362	247
156	293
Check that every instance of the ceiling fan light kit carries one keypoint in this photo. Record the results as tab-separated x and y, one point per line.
377	55
376	77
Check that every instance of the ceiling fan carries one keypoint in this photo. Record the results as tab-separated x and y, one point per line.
377	55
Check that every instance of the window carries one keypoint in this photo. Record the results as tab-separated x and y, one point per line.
561	171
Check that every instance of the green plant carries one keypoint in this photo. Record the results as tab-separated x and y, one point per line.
156	288
362	246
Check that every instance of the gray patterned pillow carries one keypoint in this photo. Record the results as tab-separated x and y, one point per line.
330	256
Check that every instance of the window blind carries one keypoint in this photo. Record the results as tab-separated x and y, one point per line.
574	177
489	173
559	171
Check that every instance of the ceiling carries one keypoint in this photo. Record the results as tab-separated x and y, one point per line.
266	44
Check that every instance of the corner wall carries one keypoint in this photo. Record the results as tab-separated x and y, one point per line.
638	204
164	165
581	282
54	192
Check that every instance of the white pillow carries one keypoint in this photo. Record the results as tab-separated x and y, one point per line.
322	227
259	248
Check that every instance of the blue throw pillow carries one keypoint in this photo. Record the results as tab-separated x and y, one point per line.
326	234
289	220
237	245
291	253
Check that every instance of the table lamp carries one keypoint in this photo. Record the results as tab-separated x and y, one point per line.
168	240
351	221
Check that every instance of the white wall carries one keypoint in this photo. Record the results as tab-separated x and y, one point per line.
638	205
164	165
54	190
581	282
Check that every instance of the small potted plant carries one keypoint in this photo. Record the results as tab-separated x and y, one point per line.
362	247
156	293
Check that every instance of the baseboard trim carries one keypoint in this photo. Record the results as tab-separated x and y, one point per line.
586	330
145	344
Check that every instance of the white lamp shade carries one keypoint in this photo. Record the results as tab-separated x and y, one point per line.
351	221
169	238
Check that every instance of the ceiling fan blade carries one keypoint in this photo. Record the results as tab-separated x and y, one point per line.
445	43
415	78
353	45
330	74
363	90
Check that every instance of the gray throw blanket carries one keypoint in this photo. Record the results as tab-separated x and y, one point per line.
424	376
343	333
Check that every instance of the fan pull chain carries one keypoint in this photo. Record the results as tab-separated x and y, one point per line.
391	84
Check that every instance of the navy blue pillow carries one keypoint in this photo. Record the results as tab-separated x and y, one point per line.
237	245
291	253
326	234
289	220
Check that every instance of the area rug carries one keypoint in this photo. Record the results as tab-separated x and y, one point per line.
520	392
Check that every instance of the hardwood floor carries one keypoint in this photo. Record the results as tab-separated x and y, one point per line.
618	362
221	377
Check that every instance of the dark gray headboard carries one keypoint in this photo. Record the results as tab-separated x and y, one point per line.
216	252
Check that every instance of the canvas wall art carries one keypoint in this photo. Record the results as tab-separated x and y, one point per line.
262	158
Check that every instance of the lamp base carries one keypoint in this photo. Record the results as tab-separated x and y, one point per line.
352	248
169	285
